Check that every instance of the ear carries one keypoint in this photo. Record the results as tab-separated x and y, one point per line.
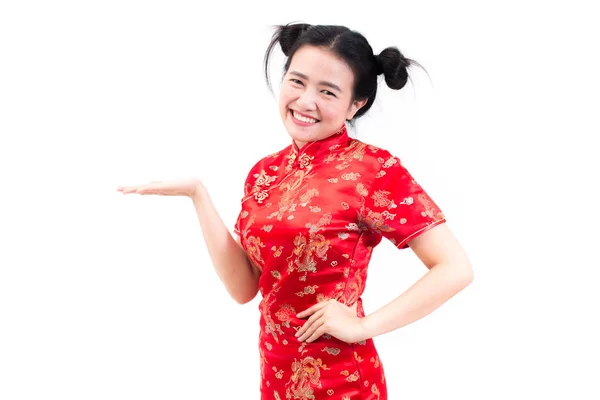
354	107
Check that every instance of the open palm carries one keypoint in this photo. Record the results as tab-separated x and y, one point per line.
183	187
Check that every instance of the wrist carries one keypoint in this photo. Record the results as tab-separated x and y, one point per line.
198	193
366	328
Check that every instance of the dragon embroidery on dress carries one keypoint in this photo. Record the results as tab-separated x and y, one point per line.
290	190
306	374
354	288
305	250
253	244
271	327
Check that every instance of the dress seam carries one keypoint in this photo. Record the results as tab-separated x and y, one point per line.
360	390
352	264
358	370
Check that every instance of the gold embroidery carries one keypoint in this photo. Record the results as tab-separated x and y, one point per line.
305	161
285	314
279	374
380	198
332	350
277	251
263	179
306	374
357	357
375	361
308	290
352	176
265	306
260	196
360	189
354	377
375	391
389	162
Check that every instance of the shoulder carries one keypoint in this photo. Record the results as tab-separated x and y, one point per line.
375	158
265	170
270	161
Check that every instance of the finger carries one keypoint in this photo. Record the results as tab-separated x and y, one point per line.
128	188
150	191
307	325
311	330
311	310
149	188
309	322
317	334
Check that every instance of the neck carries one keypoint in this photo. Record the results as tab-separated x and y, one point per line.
299	144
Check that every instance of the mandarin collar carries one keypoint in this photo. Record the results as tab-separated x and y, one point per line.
339	139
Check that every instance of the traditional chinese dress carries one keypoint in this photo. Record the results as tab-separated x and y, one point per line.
310	219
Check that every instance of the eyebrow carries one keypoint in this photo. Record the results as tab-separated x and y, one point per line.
324	83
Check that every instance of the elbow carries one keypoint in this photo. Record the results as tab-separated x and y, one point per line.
463	270
245	298
469	279
467	276
461	273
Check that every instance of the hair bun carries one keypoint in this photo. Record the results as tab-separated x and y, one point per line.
289	34
394	66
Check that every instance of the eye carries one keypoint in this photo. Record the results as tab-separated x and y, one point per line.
296	81
327	92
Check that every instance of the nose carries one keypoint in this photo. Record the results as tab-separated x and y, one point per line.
307	100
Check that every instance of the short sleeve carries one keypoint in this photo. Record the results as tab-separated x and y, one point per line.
248	189
395	205
236	227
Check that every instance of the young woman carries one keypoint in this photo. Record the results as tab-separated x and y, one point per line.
310	217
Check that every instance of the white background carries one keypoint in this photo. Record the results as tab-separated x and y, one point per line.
105	296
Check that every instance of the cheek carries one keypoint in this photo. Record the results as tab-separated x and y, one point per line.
333	112
285	97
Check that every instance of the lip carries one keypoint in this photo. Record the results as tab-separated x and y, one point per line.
301	123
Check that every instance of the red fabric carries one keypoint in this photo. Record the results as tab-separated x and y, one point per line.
309	221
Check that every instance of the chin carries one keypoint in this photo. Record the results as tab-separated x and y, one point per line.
301	136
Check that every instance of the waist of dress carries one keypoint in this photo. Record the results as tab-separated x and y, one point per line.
278	338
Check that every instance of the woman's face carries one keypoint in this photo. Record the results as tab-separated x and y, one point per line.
316	95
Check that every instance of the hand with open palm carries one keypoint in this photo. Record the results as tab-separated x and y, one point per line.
184	187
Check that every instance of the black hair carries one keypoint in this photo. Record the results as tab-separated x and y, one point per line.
352	47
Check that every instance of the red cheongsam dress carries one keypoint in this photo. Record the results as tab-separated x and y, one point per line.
310	219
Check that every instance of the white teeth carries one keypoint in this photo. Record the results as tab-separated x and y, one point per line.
304	119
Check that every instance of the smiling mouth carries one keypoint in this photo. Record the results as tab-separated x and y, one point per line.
302	118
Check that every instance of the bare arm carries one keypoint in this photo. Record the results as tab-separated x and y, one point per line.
449	272
229	259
